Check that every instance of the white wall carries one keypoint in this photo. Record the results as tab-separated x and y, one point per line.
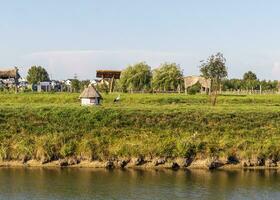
87	102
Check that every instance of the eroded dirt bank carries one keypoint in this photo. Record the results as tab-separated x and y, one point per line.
150	163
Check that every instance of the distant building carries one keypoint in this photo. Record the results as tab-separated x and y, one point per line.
68	82
192	80
67	85
56	85
44	86
90	96
22	83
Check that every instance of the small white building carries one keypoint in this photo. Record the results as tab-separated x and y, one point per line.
68	82
90	96
44	86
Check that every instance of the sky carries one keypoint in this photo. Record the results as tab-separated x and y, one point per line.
70	37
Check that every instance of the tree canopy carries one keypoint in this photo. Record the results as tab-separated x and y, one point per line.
250	79
167	77
37	74
136	77
249	76
214	68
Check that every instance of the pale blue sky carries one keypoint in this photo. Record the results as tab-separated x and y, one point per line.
70	36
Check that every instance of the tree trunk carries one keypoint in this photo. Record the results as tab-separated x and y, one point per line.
214	98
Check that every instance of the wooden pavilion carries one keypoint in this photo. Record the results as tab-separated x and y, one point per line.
110	76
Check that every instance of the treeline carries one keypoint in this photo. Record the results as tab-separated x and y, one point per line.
140	77
169	77
249	82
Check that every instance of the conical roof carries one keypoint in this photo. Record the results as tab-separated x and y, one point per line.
90	92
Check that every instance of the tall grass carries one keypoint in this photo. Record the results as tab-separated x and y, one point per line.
52	126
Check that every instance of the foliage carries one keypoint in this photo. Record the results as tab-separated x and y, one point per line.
240	84
136	77
194	89
250	76
214	68
37	74
103	86
250	79
232	84
168	77
75	85
84	84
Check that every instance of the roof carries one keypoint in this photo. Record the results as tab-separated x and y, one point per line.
45	83
10	73
192	80
90	92
108	74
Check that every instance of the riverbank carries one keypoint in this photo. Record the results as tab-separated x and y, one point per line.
149	163
51	128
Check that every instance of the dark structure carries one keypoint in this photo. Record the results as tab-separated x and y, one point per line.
108	74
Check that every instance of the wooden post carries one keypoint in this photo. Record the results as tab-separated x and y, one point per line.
112	84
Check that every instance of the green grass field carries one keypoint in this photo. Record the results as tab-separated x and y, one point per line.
51	126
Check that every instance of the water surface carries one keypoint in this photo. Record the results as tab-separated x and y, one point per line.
62	184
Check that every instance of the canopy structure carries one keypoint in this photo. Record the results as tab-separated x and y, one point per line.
10	73
110	76
192	80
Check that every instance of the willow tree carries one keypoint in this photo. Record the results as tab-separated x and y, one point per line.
214	68
168	77
136	77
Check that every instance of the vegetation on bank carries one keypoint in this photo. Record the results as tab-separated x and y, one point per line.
51	126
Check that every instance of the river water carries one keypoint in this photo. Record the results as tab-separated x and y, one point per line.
67	184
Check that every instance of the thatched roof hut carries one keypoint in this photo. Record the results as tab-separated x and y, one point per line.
90	96
11	73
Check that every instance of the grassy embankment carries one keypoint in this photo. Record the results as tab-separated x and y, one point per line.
53	126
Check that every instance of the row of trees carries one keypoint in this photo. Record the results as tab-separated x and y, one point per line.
249	82
140	77
169	77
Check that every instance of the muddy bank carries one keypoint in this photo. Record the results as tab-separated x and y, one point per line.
149	163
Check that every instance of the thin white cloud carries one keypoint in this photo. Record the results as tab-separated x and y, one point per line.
84	63
276	70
